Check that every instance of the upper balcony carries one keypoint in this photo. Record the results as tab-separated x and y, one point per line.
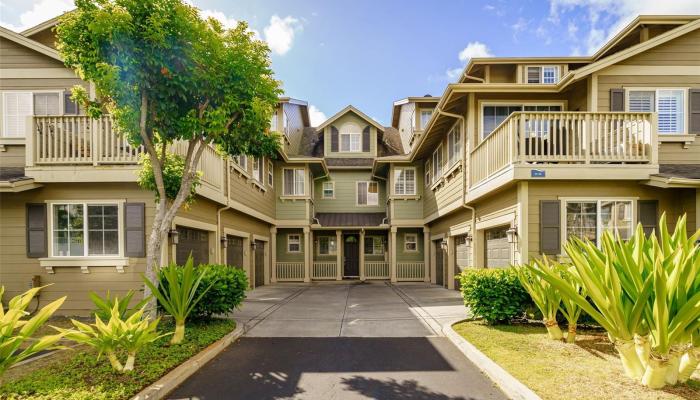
565	145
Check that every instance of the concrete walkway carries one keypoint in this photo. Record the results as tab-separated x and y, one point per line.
343	341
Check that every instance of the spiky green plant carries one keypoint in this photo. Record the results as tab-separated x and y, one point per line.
691	358
569	308
15	331
177	293
105	304
545	296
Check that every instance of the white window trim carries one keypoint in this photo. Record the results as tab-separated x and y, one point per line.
120	228
289	242
406	241
455	130
513	103
428	172
357	192
284	185
434	174
323	190
557	74
597	200
405	193
420	117
374	244
656	90
350	150
330	253
270	174
241	168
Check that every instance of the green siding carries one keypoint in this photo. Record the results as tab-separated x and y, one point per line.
282	254
410	208
350	117
287	209
325	257
346	193
401	254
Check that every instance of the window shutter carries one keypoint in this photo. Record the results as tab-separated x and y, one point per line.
36	230
334	139
694	111
550	227
135	229
365	139
648	215
617	100
533	74
17	106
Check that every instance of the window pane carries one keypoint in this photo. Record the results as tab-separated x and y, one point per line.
369	245
288	182
410	181
344	142
103	230
323	245
616	216
641	101
299	182
399	184
76	243
581	220
670	110
362	193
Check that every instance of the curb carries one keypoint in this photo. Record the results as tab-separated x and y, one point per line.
512	387
163	386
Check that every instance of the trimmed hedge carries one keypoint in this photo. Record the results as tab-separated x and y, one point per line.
494	294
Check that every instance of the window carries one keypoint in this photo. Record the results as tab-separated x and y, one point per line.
350	141
374	245
70	107
437	164
493	115
590	218
241	161
410	242
549	75
17	106
453	145
533	74
546	74
46	104
668	103
293	181
405	181
293	243
273	122
257	169
74	235
425	117
327	245
328	190
270	174
428	174
285	122
367	193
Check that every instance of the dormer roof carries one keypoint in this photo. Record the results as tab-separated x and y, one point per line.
350	109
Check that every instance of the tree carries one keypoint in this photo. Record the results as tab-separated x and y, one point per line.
166	75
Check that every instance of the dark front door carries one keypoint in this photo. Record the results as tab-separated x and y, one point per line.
439	263
351	252
234	251
192	241
259	263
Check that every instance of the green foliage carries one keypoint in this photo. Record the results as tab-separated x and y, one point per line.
227	290
173	171
178	294
83	377
15	331
546	298
105	305
493	294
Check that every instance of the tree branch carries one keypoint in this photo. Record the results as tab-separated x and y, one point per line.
150	147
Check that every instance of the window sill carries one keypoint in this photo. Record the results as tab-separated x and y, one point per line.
293	198
83	263
437	183
257	184
454	168
4	141
684	138
405	197
240	170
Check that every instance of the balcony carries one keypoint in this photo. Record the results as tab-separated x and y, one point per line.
566	145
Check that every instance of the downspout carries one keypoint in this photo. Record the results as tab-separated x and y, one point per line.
219	228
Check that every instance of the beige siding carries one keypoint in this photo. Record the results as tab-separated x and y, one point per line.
447	192
407	118
681	51
13	156
45	37
442	225
676	153
295	126
249	194
607	82
14	55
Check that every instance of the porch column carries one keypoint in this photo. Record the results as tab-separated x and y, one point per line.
273	255
392	257
426	254
451	262
339	255
362	254
307	254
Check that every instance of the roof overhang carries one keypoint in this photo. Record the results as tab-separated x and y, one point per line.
354	110
18	185
672	182
29	43
396	109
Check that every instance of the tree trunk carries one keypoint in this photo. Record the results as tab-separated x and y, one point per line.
655	374
114	361
689	363
630	360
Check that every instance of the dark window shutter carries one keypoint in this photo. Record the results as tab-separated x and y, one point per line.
617	99
648	215
135	229
36	230
550	227
365	139
694	111
334	139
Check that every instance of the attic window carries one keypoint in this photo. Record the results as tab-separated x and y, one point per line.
548	74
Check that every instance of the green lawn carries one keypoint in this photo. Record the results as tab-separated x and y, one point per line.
556	370
77	375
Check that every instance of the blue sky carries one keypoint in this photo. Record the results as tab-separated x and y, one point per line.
370	53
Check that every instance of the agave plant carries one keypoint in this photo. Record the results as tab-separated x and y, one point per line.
176	293
545	296
690	360
15	331
569	308
105	304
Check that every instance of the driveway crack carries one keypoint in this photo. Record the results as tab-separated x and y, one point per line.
345	310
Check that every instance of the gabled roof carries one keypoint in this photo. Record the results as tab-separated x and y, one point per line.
29	43
346	110
48	24
396	110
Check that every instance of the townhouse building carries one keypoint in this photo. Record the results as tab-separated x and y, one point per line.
511	160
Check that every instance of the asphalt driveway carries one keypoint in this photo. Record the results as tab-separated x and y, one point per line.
343	341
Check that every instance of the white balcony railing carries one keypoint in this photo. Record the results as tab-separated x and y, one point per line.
290	271
565	137
324	270
410	271
376	270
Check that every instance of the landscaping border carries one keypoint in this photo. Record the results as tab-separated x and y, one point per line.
512	387
167	383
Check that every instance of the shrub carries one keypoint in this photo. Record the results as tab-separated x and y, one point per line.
493	294
105	304
228	285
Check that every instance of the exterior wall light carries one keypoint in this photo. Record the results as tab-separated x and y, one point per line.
174	236
253	245
224	242
512	234
443	245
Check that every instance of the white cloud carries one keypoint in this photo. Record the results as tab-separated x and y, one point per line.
316	116
473	50
41	11
227	22
280	33
454	73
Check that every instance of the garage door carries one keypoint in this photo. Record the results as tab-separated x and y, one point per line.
234	251
497	248
192	241
463	255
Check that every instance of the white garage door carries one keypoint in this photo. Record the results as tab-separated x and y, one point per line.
497	248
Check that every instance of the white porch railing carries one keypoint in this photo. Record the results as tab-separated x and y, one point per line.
77	140
565	137
290	271
410	271
324	270
376	270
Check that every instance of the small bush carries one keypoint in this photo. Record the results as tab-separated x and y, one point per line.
494	294
226	294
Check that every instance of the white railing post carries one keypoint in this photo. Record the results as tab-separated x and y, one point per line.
94	137
587	142
273	255
339	255
362	255
651	126
30	140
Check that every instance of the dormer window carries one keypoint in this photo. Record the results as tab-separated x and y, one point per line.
547	74
273	122
350	138
425	117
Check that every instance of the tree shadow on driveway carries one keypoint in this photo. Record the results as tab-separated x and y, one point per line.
392	389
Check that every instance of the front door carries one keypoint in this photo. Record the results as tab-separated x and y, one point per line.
234	251
439	263
259	263
351	252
